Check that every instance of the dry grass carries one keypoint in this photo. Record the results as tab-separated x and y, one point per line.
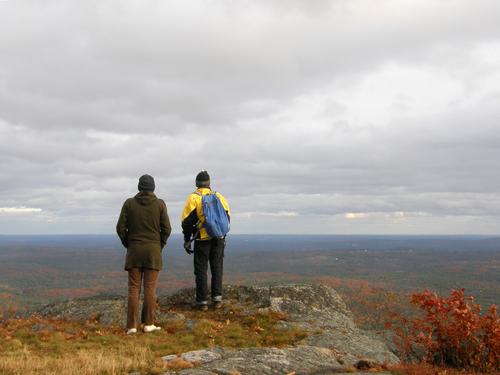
179	364
350	369
44	346
85	362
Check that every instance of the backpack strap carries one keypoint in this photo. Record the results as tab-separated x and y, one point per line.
201	195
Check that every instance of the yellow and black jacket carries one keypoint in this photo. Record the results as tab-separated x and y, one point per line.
192	216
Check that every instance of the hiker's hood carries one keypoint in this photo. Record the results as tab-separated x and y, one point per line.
145	197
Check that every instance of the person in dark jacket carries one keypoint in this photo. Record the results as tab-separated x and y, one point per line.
143	228
206	249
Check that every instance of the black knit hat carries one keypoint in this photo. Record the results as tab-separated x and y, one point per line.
203	179
146	183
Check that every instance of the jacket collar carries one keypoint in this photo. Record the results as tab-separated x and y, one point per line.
204	191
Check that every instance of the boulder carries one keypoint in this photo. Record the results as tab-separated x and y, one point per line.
334	343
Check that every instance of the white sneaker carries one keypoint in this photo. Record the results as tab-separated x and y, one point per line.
131	331
151	328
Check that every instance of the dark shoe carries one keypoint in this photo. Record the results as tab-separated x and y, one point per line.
217	305
202	307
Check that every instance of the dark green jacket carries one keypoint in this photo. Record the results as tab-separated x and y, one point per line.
143	228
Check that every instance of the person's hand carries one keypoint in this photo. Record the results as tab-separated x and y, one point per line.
187	247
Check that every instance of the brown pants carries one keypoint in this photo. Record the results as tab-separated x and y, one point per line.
136	276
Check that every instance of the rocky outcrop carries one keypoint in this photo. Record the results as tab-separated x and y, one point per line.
298	360
334	342
107	310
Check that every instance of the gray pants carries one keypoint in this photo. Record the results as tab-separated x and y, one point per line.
209	251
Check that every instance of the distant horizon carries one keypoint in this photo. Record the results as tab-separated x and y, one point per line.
274	234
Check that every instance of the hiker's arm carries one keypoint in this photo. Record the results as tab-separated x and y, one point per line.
189	218
165	228
121	225
189	225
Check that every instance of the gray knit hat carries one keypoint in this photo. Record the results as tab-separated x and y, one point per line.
146	183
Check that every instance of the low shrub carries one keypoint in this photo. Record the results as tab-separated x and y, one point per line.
452	332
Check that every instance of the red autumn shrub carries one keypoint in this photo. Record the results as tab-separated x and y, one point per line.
427	369
453	332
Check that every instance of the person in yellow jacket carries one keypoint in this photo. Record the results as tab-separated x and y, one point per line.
206	249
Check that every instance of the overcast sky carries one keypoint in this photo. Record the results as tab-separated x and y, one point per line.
341	117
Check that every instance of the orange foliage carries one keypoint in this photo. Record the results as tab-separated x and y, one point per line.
426	369
178	364
372	303
9	327
453	332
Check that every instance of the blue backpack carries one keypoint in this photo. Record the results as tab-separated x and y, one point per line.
216	221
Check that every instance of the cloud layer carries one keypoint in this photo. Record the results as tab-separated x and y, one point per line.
312	117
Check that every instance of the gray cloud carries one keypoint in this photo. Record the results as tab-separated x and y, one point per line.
312	117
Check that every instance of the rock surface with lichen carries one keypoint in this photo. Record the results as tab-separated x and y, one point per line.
333	344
